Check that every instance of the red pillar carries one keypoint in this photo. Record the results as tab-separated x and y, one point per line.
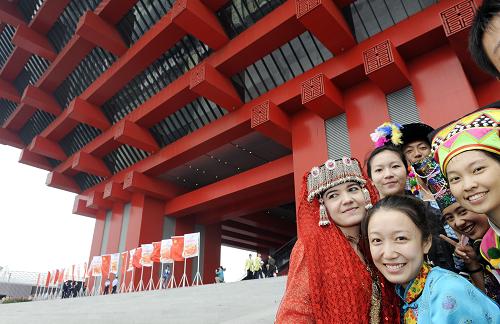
442	91
145	226
115	227
95	249
366	109
309	145
211	252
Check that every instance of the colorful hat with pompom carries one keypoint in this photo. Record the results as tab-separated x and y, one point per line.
476	131
387	133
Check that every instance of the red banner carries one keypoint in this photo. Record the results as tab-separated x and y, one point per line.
123	264
155	256
136	260
47	281
56	277
177	248
61	276
106	261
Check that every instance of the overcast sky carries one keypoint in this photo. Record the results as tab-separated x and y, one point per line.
38	232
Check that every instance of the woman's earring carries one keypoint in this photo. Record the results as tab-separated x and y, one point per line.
428	261
368	200
323	215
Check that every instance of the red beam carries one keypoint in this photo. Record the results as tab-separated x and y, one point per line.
207	82
198	20
78	111
385	67
38	161
14	64
80	208
63	182
9	14
244	184
95	200
33	42
248	240
114	192
46	147
322	97
99	32
327	23
9	92
128	133
10	138
253	233
38	98
19	117
138	182
281	194
272	122
84	162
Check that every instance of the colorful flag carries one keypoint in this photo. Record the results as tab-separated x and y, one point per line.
191	245
38	280
47	280
155	256
56	277
114	263
165	251
147	251
130	262
123	263
96	266
136	261
73	272
177	247
106	261
61	276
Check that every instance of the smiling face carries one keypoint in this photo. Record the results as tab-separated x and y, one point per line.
388	173
345	204
396	245
463	221
473	178
416	151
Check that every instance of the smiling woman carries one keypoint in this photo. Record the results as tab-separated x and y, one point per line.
399	237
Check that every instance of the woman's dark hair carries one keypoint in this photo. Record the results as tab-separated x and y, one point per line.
492	155
381	149
409	205
483	22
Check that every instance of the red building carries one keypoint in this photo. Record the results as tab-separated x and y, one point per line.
202	115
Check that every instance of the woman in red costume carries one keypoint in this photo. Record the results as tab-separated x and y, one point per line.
330	280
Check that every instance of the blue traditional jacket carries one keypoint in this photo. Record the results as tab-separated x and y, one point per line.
450	298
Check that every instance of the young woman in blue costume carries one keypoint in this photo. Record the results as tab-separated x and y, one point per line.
399	237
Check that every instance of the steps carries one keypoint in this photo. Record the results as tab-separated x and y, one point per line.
249	301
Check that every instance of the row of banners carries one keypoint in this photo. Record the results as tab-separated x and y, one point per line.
177	248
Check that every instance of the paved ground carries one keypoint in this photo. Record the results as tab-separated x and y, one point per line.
252	301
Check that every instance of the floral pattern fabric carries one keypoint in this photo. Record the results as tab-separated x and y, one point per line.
445	298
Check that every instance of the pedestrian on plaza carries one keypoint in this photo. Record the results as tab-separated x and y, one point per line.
106	286
257	267
165	277
114	285
219	274
249	267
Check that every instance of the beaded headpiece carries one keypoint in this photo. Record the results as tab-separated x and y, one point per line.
476	131
331	174
428	169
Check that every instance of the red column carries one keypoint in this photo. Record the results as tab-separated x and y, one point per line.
366	108
309	145
211	252
97	240
441	88
145	226
115	227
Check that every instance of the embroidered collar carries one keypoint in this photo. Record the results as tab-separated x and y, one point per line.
494	227
411	294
